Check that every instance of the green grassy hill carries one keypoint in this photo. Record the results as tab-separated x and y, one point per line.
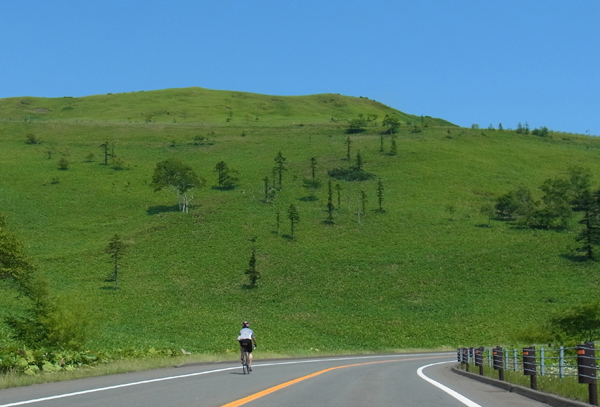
427	272
194	105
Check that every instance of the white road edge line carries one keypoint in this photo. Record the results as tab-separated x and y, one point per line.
448	390
118	386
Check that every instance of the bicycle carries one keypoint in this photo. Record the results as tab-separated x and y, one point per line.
245	361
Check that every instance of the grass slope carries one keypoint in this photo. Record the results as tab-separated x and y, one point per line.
192	105
427	272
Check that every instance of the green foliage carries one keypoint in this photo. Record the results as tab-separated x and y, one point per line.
226	176
541	132
116	249
522	129
118	164
180	177
330	206
380	190
32	139
14	263
63	163
49	321
391	123
517	204
589	235
182	267
569	326
251	272
280	166
356	126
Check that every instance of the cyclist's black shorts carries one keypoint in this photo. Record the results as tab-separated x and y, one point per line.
246	345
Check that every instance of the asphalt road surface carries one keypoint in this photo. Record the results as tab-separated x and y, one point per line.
421	380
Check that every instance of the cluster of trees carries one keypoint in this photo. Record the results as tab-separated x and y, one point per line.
562	198
46	320
359	124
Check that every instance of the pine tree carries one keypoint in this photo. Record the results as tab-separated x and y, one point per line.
330	206
589	236
251	271
359	162
380	195
116	248
280	167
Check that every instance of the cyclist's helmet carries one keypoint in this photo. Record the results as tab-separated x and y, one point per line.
245	324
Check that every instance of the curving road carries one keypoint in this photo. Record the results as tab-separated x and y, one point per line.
383	380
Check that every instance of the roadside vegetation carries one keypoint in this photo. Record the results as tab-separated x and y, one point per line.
334	222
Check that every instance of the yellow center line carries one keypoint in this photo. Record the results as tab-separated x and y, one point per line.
286	384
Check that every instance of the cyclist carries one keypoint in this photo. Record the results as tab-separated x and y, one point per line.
245	338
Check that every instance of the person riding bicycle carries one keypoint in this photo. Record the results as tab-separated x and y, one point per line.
245	338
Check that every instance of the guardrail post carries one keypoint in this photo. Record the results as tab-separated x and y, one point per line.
498	359
515	360
586	369
542	362
467	358
561	362
479	359
490	357
529	365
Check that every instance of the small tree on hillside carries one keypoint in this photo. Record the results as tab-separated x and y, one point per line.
106	147
356	125
330	206
359	162
363	200
226	177
178	176
63	163
116	248
280	166
294	218
589	236
380	195
313	166
251	272
348	142
391	123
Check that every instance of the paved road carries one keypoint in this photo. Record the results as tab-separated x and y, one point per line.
383	380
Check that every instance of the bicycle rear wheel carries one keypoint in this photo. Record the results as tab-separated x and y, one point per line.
245	364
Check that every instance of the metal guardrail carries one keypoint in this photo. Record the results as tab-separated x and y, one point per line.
579	361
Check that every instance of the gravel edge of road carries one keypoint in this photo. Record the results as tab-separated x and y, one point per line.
551	399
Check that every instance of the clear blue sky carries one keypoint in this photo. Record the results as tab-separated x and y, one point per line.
467	61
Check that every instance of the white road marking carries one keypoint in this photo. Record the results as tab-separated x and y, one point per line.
118	386
448	390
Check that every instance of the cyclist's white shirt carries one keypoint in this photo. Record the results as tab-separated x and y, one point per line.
246	333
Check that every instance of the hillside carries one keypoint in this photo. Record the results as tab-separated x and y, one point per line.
193	105
425	272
